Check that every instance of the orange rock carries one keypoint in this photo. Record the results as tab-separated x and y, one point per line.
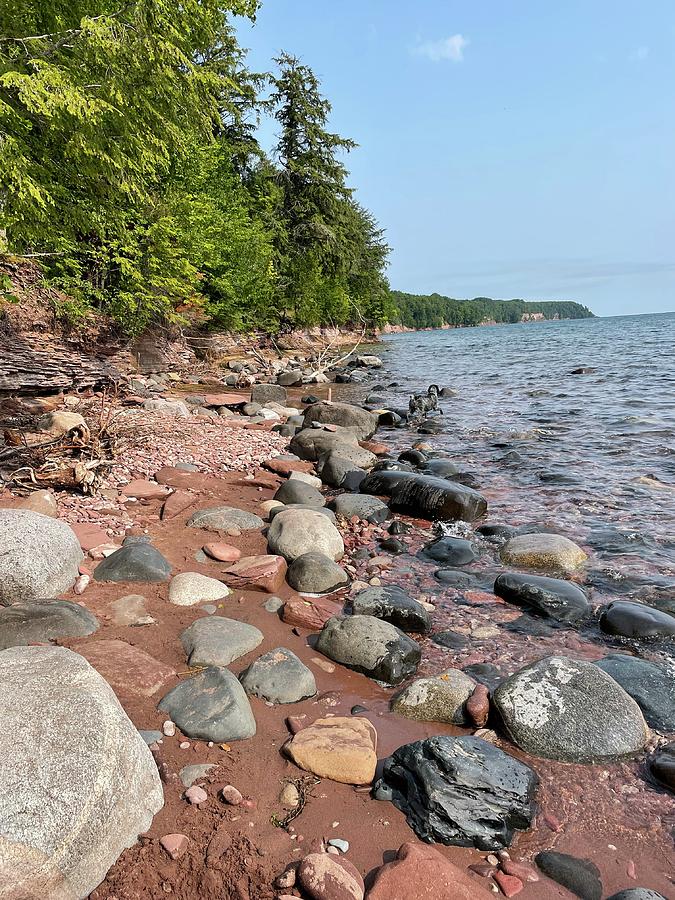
145	490
340	748
286	466
327	877
422	873
266	573
222	552
178	502
310	614
128	670
375	447
225	399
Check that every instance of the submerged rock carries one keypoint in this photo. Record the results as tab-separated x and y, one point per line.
550	597
544	552
370	646
426	496
451	551
392	604
635	620
460	790
570	710
579	876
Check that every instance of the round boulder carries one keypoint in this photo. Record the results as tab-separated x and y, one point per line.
543	552
437	699
279	677
362	422
293	491
294	532
316	573
635	620
371	646
549	597
40	556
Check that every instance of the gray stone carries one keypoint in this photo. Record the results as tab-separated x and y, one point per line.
637	894
77	781
328	513
135	561
440	698
299	492
370	509
251	409
549	597
151	737
569	710
268	393
391	603
168	408
311	443
580	876
222	518
40	556
211	706
337	470
218	641
371	646
316	573
306	478
460	790
362	422
189	774
190	588
131	610
650	685
288	379
451	551
273	605
544	552
29	623
297	531
280	677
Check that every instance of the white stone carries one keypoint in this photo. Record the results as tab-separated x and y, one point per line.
190	588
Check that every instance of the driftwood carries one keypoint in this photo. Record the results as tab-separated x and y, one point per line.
26	368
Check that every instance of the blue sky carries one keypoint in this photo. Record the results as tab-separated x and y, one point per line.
510	149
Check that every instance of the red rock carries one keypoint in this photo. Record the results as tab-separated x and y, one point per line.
375	447
552	821
310	614
266	573
128	670
222	552
145	490
422	873
89	536
175	844
508	884
196	795
326	877
225	399
478	705
262	479
485	870
521	870
286	466
178	502
479	598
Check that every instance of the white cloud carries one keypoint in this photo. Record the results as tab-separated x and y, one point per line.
451	48
639	54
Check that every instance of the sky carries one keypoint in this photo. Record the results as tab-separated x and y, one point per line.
510	149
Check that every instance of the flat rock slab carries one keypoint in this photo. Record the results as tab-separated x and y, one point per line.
92	786
543	552
178	502
89	536
460	790
310	614
134	562
549	597
263	573
131	610
211	706
227	399
190	588
143	489
34	623
127	669
570	710
651	686
392	604
222	552
285	466
217	641
420	872
224	518
279	677
340	748
370	646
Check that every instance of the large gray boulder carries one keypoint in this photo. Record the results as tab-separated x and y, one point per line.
136	561
569	710
31	623
337	470
211	706
269	393
636	620
316	573
362	422
217	641
295	491
294	532
279	677
77	781
370	646
39	556
311	443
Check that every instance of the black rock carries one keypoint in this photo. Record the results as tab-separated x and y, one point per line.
485	673
461	791
455	578
496	531
431	426
393	545
389	418
136	561
449	550
426	496
451	640
583	370
441	468
527	625
637	894
358	709
550	597
580	876
310	399
635	620
352	480
416	457
662	766
399	527
392	604
651	686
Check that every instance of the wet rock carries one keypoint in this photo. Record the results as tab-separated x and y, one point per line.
340	748
450	640
224	518
40	556
370	509
362	422
327	877
498	532
635	620
569	710
485	673
293	491
455	578
370	646
440	698
93	785
662	765
280	677
393	545
135	561
264	573
544	552
392	604
190	588
580	876
211	706
461	790
294	532
427	497
316	573
311	443
449	550
550	597
131	610
527	625
218	641
267	393
46	620
310	614
128	670
420	872
651	686
637	894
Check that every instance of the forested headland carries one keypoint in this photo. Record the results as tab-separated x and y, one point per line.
132	173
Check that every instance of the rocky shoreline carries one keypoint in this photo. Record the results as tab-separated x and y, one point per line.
316	673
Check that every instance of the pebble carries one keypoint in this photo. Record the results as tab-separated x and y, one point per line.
509	884
169	728
231	795
339	843
175	844
290	796
184	745
196	795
